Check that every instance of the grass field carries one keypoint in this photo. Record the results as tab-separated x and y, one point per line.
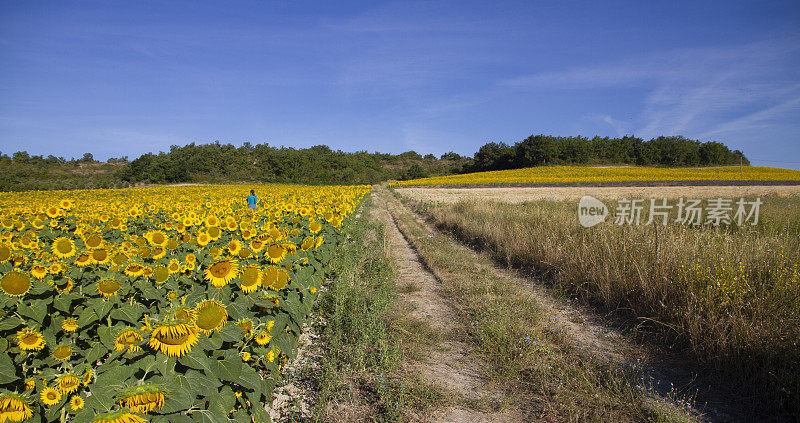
731	296
588	174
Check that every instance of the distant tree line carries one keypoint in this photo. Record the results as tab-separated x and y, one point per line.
538	150
218	163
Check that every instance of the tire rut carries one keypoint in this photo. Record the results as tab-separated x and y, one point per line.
450	364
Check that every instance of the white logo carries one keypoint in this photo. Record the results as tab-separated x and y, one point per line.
591	211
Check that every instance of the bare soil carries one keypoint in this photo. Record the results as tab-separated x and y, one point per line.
450	364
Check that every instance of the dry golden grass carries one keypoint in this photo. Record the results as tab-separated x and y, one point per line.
731	295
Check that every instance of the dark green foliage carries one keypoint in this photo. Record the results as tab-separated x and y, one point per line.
222	163
540	150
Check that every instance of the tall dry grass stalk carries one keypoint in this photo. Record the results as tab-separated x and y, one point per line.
731	294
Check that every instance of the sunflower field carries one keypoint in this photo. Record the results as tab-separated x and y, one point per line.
585	174
165	304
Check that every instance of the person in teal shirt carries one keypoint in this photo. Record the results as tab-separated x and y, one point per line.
252	200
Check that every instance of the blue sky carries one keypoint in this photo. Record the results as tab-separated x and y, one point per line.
129	77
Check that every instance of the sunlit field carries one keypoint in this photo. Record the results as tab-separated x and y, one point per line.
583	174
117	304
730	294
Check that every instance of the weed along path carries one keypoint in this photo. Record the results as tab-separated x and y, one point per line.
502	349
447	360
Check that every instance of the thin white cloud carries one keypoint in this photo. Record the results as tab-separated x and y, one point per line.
620	127
760	119
693	92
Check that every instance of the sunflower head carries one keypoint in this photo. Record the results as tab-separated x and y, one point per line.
30	339
128	339
276	277
63	247
134	269
15	284
108	287
5	253
222	271
64	285
174	338
276	253
14	407
121	416
142	398
68	383
62	352
161	274
50	396
246	325
69	325
262	337
251	278
93	241
185	313
76	403
209	316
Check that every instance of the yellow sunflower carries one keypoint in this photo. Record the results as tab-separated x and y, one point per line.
70	325
93	241
108	287
63	247
30	339
38	271
173	338
161	274
256	245
134	269
209	316
122	416
262	337
128	338
101	256
314	227
319	242
119	258
68	383
246	325
15	284
64	285
222	271
76	403
14	407
276	278
157	238
50	396
234	246
186	314
5	253
62	352
87	377
214	232
174	266
251	278
203	239
276	253
83	259
142	398
307	244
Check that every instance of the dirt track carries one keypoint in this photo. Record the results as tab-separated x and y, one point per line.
450	364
